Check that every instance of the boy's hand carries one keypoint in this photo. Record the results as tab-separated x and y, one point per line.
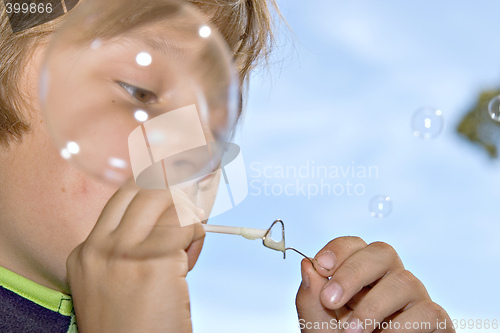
365	283
129	275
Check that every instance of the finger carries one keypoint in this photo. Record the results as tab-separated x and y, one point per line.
330	257
194	250
309	307
398	291
168	236
141	215
423	317
116	206
145	210
359	270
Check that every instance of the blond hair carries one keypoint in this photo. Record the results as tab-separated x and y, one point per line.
246	25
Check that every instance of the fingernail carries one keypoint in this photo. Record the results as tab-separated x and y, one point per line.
333	293
326	260
305	279
354	326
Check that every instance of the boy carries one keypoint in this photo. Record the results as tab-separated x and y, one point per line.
120	253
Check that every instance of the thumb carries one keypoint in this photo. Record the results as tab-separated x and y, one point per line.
308	301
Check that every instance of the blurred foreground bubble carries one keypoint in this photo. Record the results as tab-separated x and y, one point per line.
494	108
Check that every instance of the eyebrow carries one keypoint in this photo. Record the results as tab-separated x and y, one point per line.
161	45
172	48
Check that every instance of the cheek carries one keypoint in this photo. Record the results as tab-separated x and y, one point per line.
47	206
58	192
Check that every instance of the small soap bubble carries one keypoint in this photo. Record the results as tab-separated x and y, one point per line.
380	206
427	122
494	108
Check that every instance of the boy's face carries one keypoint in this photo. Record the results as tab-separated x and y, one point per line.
47	205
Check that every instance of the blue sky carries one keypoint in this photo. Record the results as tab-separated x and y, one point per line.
341	93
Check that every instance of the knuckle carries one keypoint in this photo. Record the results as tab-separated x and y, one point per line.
352	269
154	196
369	310
384	248
169	218
437	311
86	253
386	251
128	190
354	240
124	193
81	258
351	242
115	253
434	310
406	278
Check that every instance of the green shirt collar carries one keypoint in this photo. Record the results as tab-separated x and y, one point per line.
43	296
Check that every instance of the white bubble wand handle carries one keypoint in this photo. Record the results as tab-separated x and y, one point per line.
248	233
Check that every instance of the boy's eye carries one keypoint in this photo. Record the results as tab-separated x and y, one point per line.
141	95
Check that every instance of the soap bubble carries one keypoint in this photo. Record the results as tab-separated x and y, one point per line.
427	122
380	206
148	90
494	108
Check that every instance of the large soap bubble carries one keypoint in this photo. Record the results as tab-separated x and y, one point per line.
140	88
